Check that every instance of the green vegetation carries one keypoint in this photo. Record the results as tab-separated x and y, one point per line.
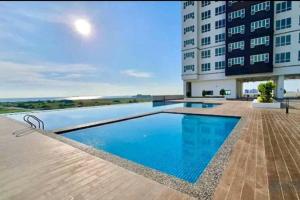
266	92
222	92
8	107
10	110
203	93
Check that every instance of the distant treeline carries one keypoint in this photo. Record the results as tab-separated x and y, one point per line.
60	104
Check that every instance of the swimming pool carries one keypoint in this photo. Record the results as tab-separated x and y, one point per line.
57	119
179	145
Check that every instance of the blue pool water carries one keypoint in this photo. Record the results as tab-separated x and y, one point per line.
176	144
63	118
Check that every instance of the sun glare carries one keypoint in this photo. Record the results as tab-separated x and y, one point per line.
83	27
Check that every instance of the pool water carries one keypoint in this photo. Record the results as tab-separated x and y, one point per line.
57	119
179	145
199	105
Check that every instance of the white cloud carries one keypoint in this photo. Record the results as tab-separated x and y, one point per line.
137	74
42	73
60	80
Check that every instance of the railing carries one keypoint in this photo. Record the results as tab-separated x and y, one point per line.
40	124
287	105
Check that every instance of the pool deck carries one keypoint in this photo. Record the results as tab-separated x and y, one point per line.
264	163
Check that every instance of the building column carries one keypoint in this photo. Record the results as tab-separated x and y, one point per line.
279	94
239	88
184	89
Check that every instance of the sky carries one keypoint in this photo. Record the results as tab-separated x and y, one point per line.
133	47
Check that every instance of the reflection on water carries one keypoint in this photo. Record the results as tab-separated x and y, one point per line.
202	138
56	119
176	144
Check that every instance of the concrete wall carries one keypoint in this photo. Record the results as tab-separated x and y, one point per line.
166	97
215	86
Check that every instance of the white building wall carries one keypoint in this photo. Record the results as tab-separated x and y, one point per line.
215	86
190	35
293	66
212	34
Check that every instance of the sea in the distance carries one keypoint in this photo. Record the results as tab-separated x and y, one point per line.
60	98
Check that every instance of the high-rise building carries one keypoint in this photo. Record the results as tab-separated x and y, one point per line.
227	43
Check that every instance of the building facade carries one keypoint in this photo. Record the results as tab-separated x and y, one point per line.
226	43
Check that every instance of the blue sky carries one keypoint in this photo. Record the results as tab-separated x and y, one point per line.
134	47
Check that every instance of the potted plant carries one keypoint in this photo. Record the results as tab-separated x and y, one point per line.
222	92
266	92
203	93
265	98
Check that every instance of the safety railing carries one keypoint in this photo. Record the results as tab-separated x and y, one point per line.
30	119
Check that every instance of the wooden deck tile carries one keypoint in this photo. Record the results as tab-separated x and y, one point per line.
264	163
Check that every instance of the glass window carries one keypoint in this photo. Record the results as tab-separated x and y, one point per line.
220	10
260	7
205	41
188	55
205	3
283	23
205	54
205	15
236	30
283	57
259	58
188	68
205	67
220	38
188	29
264	23
188	42
188	3
283	6
236	45
219	65
188	16
298	55
205	28
220	51
283	40
236	14
236	61
260	41
220	24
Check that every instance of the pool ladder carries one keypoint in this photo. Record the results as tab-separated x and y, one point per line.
40	124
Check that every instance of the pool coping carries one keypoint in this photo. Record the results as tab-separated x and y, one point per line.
101	122
206	183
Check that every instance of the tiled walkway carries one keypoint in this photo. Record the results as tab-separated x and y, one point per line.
264	164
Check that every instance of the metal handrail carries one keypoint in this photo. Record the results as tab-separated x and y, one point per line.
27	118
287	105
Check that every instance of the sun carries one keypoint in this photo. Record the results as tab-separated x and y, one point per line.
83	27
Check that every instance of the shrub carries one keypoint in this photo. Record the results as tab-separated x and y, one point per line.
203	93
265	90
222	92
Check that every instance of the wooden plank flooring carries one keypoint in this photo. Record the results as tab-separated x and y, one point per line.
35	166
264	163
